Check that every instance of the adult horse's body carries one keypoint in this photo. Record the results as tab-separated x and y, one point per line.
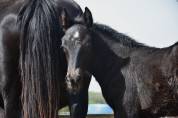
34	88
136	80
10	84
10	76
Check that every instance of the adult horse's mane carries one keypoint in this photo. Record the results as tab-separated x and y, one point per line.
116	36
39	58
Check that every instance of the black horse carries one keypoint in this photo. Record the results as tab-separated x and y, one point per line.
31	44
137	81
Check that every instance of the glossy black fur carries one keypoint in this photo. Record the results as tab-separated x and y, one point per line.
11	53
137	81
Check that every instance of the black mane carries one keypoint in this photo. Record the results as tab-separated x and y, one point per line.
118	37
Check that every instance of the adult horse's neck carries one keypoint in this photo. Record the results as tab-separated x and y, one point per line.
73	9
119	43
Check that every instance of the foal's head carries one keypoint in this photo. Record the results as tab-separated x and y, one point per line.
77	47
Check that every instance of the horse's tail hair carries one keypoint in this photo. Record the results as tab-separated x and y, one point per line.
39	58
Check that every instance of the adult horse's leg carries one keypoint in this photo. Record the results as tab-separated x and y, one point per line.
10	78
78	102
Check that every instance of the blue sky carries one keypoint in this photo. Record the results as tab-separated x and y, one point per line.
152	22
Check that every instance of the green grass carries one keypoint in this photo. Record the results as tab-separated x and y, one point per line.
94	98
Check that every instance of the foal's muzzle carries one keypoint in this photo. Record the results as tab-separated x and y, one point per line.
73	81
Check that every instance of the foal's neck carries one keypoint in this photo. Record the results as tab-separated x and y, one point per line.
106	65
119	43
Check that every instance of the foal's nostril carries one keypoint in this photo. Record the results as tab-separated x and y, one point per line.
73	81
77	79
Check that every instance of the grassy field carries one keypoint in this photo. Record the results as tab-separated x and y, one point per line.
94	98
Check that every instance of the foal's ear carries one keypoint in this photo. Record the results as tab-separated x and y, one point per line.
65	20
88	17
